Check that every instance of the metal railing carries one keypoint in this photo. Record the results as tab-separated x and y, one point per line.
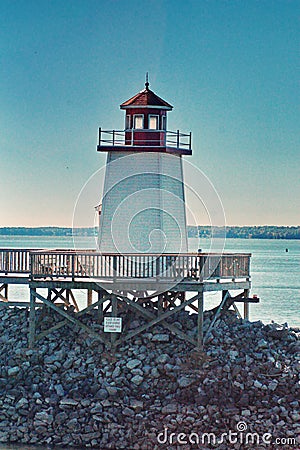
145	138
201	267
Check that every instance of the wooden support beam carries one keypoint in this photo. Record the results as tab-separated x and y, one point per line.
32	318
225	295
4	296
114	313
107	307
58	294
160	300
100	306
247	300
200	321
237	310
73	300
70	318
154	320
64	322
246	304
194	308
89	297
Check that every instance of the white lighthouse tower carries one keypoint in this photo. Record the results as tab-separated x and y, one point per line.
143	203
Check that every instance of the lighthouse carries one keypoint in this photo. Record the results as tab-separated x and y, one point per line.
143	200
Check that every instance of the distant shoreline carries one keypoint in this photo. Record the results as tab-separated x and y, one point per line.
235	232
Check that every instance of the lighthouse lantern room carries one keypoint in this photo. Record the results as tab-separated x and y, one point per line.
143	202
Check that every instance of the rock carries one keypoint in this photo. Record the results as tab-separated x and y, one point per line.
43	416
61	418
137	380
116	373
163	359
112	390
249	360
155	373
273	385
22	403
184	382
295	417
59	390
262	343
133	363
136	405
233	354
169	409
128	412
72	424
102	394
68	402
160	337
13	371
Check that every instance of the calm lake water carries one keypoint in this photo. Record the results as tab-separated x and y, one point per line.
275	272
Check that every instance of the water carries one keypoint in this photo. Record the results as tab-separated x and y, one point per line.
275	276
275	272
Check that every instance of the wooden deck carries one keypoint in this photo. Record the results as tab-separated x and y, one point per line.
166	283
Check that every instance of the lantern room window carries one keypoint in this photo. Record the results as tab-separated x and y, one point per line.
138	121
128	122
164	122
153	122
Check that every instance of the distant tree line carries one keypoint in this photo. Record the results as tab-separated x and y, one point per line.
47	231
256	232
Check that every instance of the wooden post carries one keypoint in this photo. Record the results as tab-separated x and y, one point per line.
200	321
246	304
6	291
114	313
114	267
89	297
32	318
159	304
100	308
68	296
73	258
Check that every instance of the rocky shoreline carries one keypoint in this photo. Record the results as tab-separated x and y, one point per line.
155	392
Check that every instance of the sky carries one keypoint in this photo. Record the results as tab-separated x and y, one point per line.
230	68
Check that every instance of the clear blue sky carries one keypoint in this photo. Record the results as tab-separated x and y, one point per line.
230	68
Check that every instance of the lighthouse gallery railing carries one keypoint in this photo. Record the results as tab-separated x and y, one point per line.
145	137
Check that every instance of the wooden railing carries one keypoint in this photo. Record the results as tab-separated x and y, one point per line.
90	264
15	260
85	264
18	261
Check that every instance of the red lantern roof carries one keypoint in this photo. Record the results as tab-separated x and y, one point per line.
146	98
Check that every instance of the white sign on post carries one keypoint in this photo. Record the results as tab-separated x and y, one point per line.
112	325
